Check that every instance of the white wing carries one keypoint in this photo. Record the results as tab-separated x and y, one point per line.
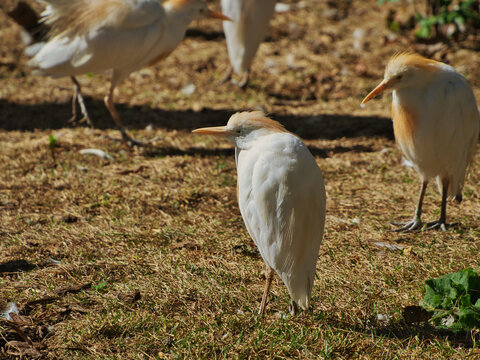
125	41
282	201
453	110
247	30
80	16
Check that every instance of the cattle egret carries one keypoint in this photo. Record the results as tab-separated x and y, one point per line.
282	200
245	32
119	35
436	125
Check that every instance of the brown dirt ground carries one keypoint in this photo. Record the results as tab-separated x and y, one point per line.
146	256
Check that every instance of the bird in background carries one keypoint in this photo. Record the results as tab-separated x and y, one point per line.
93	36
281	195
250	19
436	125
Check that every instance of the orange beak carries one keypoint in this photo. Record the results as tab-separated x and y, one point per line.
378	90
217	15
214	130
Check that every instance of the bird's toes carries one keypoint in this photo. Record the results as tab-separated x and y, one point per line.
438	225
225	78
87	120
409	226
73	120
131	142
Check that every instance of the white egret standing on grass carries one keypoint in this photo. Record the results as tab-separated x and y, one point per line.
120	35
436	125
250	19
282	200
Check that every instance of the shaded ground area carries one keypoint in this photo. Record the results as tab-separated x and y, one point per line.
143	254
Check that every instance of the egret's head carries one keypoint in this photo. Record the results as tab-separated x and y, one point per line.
244	127
405	70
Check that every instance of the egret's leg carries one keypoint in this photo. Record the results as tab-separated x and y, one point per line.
268	282
442	222
79	97
415	223
293	308
227	76
73	119
111	108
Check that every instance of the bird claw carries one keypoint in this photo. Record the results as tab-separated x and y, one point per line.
129	141
439	225
86	119
132	142
226	77
410	226
242	83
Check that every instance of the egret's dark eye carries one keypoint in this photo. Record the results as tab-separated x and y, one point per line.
238	131
399	77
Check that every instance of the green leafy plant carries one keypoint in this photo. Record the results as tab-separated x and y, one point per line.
100	287
445	17
444	13
52	144
454	300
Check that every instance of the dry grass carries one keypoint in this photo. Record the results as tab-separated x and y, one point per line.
145	256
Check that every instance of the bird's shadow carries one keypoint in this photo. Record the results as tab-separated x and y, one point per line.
44	116
16	266
400	330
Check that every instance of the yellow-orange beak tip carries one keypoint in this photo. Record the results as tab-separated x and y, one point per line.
218	15
378	90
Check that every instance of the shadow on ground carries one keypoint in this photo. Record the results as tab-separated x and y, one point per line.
423	331
401	330
192	151
24	117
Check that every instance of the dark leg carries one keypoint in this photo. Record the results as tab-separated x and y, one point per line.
73	119
111	108
227	77
268	282
293	308
77	96
415	223
442	222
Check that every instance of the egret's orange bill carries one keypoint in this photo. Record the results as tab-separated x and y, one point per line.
378	90
218	15
214	130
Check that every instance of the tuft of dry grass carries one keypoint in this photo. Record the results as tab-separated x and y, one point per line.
145	255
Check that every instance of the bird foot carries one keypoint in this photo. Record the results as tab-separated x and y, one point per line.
129	141
242	83
293	308
440	225
86	119
132	142
226	77
413	225
73	120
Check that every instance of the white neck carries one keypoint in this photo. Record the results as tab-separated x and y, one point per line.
247	140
